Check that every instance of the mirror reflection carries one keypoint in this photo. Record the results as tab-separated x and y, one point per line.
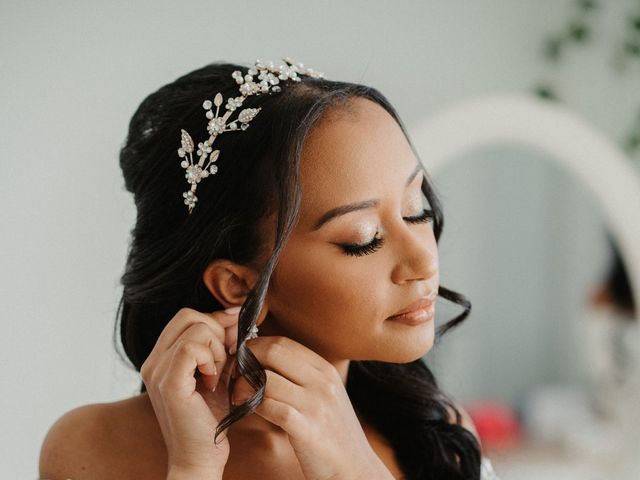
547	361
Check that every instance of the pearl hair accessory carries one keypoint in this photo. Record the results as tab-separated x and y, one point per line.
270	77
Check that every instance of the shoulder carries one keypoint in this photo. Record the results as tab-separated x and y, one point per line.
69	449
92	441
466	421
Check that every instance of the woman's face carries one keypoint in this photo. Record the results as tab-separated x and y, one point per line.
337	303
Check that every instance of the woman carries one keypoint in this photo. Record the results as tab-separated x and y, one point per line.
315	226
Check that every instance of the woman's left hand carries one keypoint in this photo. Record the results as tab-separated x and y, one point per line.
305	396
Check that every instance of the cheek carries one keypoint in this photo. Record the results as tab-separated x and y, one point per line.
323	296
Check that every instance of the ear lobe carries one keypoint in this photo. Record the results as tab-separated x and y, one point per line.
229	282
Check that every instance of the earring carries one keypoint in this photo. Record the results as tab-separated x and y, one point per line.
253	333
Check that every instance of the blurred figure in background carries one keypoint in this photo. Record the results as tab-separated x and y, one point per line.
612	339
613	355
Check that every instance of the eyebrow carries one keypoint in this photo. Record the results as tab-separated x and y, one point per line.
351	207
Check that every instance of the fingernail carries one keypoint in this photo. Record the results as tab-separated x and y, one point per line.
232	310
232	350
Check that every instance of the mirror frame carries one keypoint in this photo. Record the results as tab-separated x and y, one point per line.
575	145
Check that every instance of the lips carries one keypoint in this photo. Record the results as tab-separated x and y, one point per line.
421	304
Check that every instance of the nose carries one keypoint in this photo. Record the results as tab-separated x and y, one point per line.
417	254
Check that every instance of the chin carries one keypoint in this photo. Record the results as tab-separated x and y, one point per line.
412	356
411	344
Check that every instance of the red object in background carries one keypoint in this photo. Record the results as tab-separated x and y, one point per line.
497	424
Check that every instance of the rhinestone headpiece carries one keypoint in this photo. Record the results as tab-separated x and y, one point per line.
269	77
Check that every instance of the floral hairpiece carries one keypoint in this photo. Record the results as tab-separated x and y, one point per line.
269	77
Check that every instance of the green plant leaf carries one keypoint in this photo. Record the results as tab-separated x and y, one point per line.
579	32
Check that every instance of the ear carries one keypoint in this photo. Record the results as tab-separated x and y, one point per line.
229	282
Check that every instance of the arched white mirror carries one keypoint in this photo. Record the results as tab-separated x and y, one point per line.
534	200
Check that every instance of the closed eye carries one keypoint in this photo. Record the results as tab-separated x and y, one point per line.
377	242
425	216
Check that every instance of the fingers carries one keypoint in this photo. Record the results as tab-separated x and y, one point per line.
202	333
291	359
186	317
187	356
228	369
231	339
191	328
283	414
277	388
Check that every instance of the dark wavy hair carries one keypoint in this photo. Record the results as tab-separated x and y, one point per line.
259	176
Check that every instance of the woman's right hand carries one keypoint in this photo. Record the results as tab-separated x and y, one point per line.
187	409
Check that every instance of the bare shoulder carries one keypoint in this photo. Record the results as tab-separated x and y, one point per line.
95	441
71	446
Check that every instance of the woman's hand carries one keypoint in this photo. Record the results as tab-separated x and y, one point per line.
306	397
187	409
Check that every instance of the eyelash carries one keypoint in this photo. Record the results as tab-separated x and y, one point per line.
376	243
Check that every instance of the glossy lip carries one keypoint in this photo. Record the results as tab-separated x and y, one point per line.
417	317
423	303
418	312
